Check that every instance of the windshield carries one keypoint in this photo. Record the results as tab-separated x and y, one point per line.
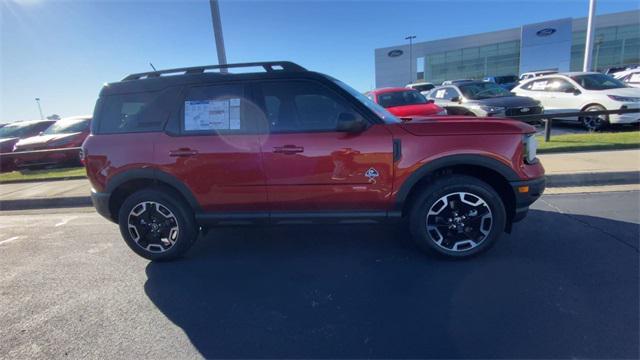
16	130
484	90
401	98
598	82
68	126
386	116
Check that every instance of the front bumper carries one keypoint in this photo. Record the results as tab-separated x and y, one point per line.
534	187
100	201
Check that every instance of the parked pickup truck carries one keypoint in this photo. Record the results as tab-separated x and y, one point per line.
174	152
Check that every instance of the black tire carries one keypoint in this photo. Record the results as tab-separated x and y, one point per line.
156	203
595	123
451	186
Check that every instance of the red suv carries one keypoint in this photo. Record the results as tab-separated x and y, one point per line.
174	152
405	102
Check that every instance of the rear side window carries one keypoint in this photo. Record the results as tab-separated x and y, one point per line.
135	112
217	109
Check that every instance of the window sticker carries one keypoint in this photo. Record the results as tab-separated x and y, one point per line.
440	93
539	85
203	115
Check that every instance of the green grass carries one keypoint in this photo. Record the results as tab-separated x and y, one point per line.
590	142
35	175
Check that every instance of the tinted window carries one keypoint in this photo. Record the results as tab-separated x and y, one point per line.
217	109
483	90
137	112
68	126
597	82
536	85
302	106
558	85
506	79
400	98
24	129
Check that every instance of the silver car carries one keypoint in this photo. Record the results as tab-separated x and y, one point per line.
480	98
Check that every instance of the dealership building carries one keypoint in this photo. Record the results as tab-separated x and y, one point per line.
550	45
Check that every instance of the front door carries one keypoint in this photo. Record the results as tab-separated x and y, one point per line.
311	166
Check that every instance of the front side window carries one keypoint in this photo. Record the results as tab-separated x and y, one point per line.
598	82
302	106
483	90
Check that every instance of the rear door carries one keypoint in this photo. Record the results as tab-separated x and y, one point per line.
213	149
309	165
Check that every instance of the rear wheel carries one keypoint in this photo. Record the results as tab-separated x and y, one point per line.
457	216
157	225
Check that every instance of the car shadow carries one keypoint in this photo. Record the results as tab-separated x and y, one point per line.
554	288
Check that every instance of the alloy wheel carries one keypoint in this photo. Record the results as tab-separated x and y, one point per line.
153	226
459	221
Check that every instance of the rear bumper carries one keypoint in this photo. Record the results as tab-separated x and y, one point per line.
100	201
525	198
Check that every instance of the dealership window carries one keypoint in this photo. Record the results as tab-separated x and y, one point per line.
613	46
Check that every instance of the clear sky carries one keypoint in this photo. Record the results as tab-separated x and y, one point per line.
63	51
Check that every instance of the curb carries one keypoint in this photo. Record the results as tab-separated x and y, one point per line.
79	177
591	179
45	203
554	180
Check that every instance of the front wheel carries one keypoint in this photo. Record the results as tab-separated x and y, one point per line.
156	224
457	216
595	122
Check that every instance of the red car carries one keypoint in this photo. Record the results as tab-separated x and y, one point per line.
11	133
176	151
58	145
405	102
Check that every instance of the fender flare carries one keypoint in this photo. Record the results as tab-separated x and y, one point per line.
156	176
452	160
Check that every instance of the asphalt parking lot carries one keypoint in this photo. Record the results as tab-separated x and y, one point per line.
565	284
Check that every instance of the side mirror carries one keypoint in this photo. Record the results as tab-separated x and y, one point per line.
41	133
576	92
347	122
430	101
455	99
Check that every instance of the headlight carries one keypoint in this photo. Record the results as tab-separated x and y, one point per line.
530	144
624	98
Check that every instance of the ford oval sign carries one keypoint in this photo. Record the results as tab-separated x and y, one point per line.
546	32
395	53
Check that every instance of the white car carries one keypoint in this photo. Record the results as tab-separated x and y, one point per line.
583	91
423	87
533	74
629	77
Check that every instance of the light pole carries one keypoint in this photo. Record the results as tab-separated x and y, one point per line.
39	108
410	38
217	33
588	46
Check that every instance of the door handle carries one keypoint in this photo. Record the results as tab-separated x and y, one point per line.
182	152
288	149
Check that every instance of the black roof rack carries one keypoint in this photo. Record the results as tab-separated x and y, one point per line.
268	66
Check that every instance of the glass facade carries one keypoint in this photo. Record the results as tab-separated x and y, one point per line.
612	46
473	62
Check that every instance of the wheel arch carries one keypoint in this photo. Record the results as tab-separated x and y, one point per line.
124	184
493	172
585	107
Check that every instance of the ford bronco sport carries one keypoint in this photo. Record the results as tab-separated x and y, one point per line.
174	152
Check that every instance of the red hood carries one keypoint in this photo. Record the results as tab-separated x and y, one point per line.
415	110
464	125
